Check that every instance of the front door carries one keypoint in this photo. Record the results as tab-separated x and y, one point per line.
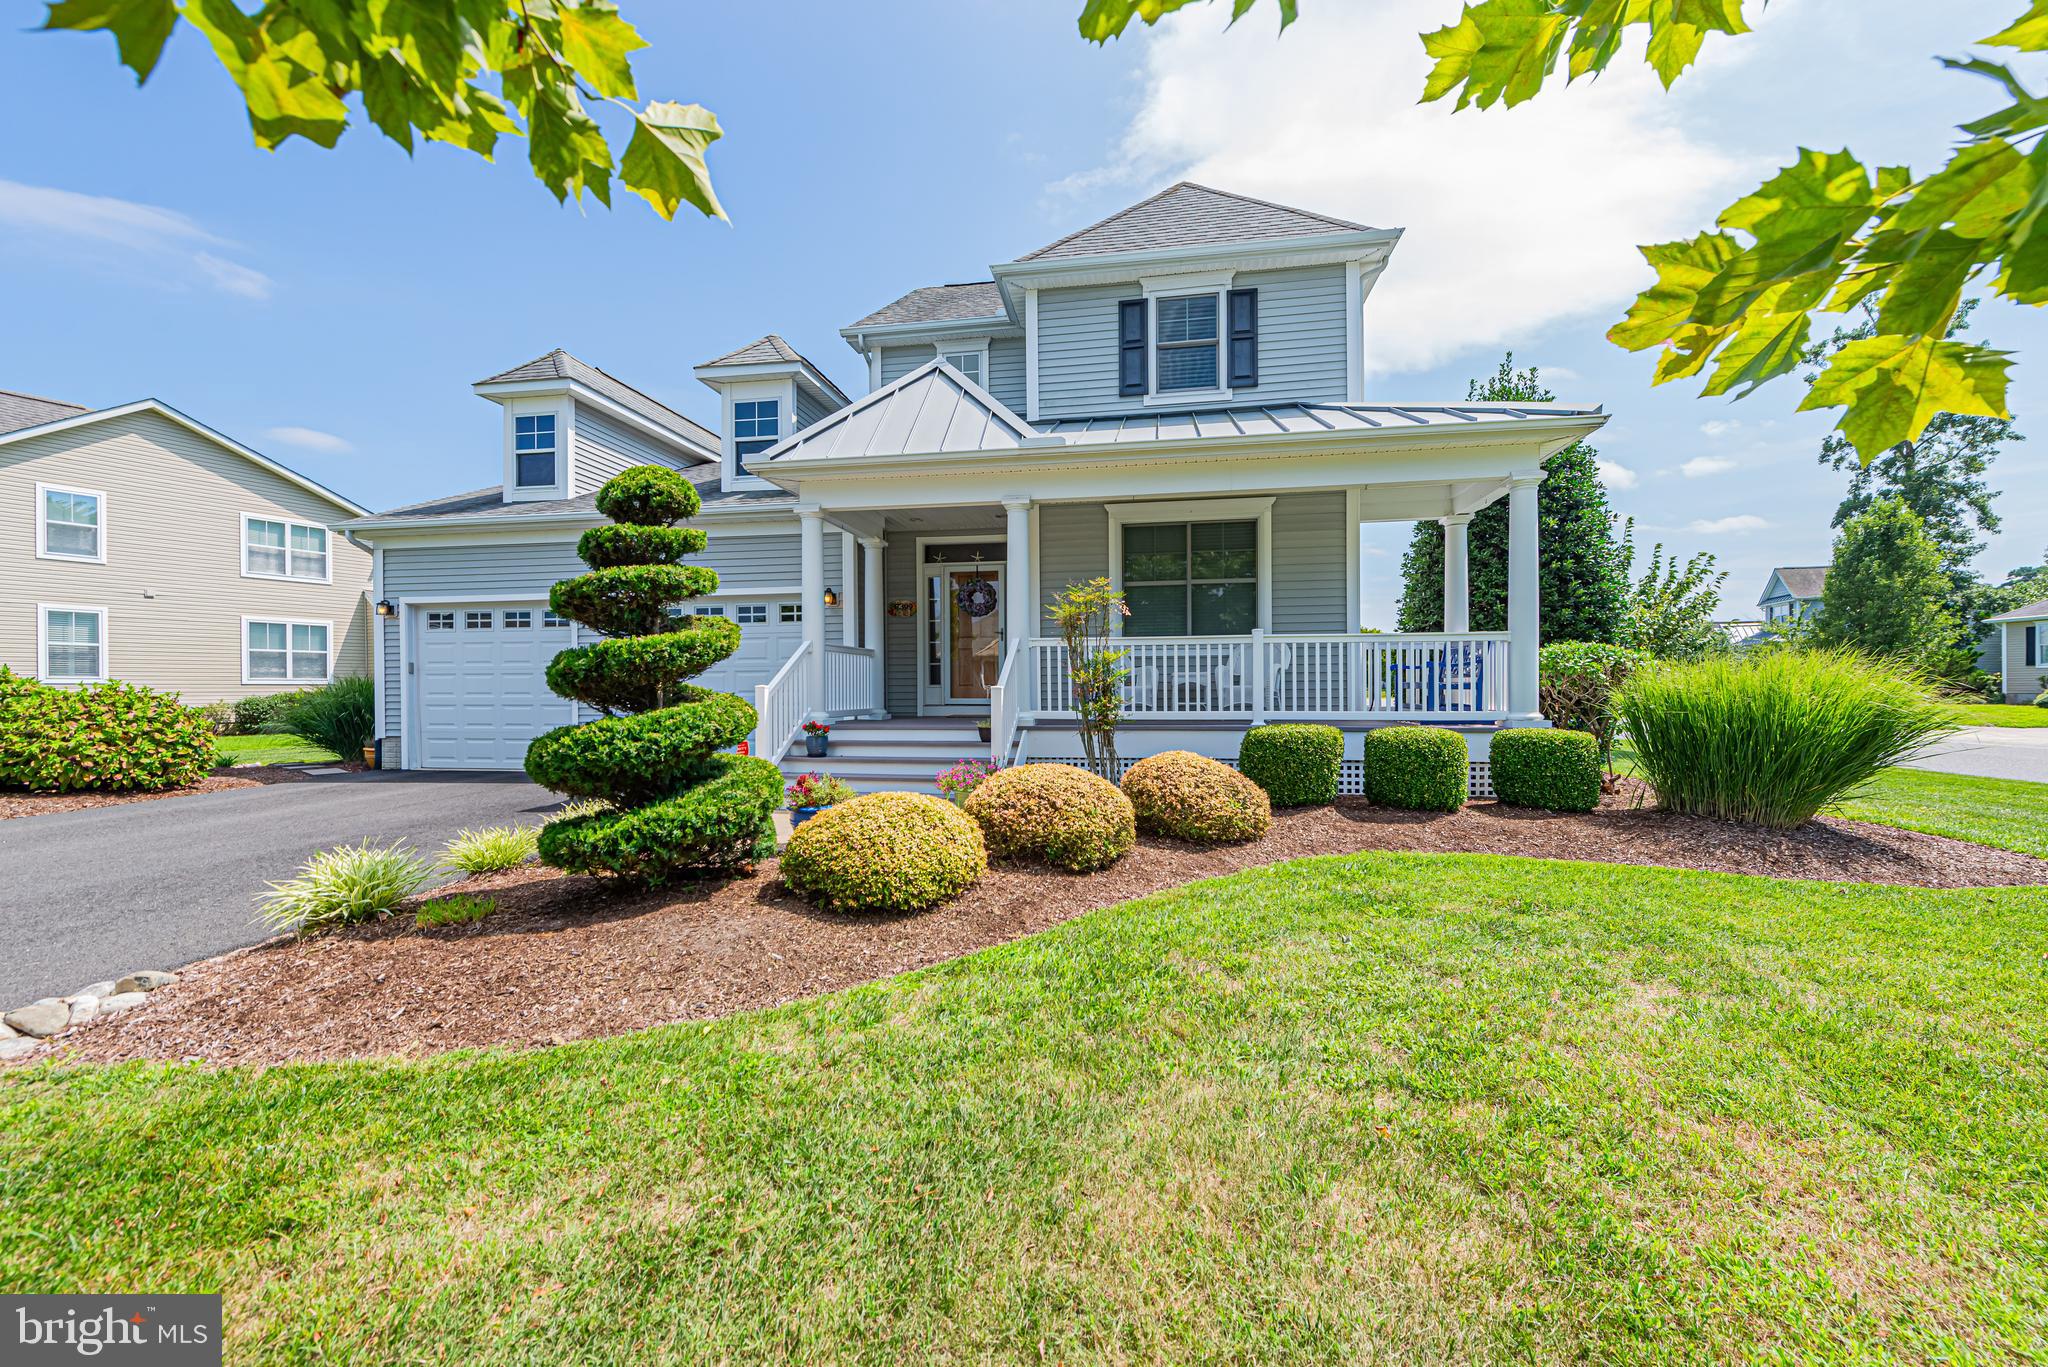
963	622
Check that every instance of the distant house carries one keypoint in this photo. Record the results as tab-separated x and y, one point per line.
2021	646
1793	591
137	543
1741	635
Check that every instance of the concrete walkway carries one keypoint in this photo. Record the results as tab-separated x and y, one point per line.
1991	752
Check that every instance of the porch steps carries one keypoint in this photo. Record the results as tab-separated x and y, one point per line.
895	755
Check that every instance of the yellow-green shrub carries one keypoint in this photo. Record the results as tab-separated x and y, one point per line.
885	852
1419	768
1192	797
1056	813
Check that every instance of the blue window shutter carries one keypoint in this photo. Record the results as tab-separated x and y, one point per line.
2034	646
1244	338
1130	346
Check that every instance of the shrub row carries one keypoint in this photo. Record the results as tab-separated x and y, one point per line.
110	737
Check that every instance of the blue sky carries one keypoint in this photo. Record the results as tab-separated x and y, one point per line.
332	308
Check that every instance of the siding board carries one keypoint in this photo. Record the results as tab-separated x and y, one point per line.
605	447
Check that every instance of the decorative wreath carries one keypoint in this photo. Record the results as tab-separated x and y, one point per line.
976	597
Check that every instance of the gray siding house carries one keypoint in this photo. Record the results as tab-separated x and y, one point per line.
140	544
1172	399
2019	647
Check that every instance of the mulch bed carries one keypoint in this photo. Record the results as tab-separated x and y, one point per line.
569	958
220	780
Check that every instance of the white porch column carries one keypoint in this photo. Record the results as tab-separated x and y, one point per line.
872	624
813	606
849	614
1023	605
1524	601
1457	577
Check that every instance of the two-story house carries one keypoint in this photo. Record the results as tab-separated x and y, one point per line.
137	543
1792	591
1173	399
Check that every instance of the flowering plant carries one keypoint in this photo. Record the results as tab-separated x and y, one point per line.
964	777
817	790
817	728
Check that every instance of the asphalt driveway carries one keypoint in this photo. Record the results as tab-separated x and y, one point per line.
1990	752
95	894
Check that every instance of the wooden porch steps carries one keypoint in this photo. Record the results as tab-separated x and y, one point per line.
899	754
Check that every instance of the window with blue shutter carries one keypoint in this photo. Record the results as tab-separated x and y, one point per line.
1130	346
2034	646
1244	339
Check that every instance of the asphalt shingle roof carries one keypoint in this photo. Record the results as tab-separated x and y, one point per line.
940	304
26	410
1804	581
490	503
560	365
2024	612
771	350
1190	215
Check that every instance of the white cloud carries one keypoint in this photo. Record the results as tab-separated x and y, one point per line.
1508	230
1617	476
311	438
1717	427
1699	467
1740	522
67	219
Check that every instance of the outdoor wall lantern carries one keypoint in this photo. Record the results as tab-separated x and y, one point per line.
386	608
831	598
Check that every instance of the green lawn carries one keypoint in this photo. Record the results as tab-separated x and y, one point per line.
2002	714
271	750
1391	1108
2007	812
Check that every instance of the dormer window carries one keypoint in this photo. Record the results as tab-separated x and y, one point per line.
756	426
1187	343
533	451
968	363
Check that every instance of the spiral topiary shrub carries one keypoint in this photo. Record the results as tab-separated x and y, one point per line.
1556	770
1056	814
885	852
111	737
1417	768
679	804
1295	763
1194	798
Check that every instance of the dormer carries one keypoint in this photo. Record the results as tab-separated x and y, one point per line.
569	427
767	391
963	325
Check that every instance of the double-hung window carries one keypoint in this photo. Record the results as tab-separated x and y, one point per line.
1191	578
74	644
1187	343
276	548
68	524
533	450
284	652
756	426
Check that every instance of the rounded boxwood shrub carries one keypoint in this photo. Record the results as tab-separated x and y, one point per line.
1192	797
1417	768
1056	813
111	737
1558	770
1295	763
885	852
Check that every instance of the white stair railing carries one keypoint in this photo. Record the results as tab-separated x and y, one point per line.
850	675
781	706
1003	702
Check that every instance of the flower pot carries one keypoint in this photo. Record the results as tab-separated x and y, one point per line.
814	745
370	755
984	728
799	815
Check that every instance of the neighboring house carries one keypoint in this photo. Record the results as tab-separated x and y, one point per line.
1742	635
2022	651
1793	591
1173	399
139	544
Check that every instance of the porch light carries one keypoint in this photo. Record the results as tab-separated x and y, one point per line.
386	608
831	598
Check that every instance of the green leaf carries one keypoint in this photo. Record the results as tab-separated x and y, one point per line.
2025	113
1683	268
281	68
1893	386
596	41
664	163
1927	288
1764	347
1983	186
1499	50
1102	20
140	27
2029	32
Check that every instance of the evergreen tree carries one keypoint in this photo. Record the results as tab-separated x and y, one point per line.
1582	569
1887	591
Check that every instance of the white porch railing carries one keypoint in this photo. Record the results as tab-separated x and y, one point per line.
782	705
1003	700
1260	677
852	680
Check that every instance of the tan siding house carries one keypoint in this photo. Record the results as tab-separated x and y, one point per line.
137	544
2023	643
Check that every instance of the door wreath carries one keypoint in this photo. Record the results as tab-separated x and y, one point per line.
976	598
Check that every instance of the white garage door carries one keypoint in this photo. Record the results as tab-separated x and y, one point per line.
482	684
482	674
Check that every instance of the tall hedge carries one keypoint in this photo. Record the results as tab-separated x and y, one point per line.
681	803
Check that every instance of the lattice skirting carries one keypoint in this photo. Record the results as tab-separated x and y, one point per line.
1350	773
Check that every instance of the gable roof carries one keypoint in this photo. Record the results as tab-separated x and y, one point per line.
939	304
773	350
81	417
2026	612
560	365
26	410
932	409
1801	581
1190	215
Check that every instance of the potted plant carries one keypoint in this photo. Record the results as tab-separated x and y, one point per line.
964	777
817	739
812	793
984	726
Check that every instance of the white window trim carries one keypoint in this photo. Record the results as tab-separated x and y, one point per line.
731	476
287	623
43	552
1259	510
960	344
563	409
287	577
1157	288
43	611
